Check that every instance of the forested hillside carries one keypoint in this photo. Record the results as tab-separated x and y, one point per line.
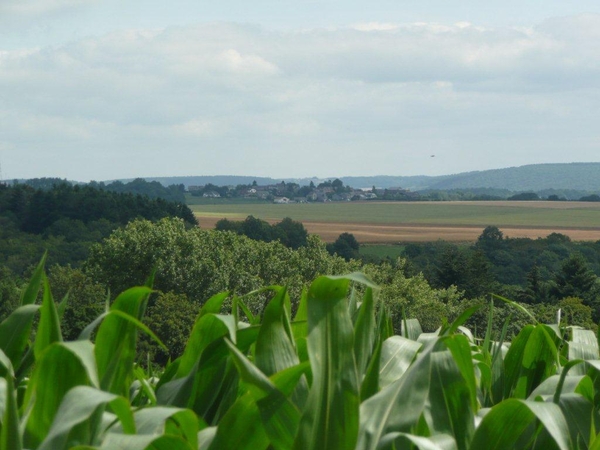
535	177
580	177
66	219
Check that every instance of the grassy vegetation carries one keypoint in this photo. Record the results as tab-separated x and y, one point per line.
546	214
332	377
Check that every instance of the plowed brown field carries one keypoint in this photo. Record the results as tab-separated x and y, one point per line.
387	234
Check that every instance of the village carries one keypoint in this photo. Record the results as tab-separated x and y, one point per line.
284	193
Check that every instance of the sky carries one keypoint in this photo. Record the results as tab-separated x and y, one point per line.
106	89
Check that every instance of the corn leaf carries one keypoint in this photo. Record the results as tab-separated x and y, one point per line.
48	330
61	367
364	332
330	418
77	420
15	331
450	397
275	350
397	407
505	423
397	354
116	341
29	295
10	434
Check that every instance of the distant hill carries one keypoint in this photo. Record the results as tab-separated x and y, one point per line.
580	177
380	181
535	177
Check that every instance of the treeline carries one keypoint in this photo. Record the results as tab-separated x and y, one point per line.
532	271
289	232
152	189
67	218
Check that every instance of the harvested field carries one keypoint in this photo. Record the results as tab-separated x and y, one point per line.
388	222
387	234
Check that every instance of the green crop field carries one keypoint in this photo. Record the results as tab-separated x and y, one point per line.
519	214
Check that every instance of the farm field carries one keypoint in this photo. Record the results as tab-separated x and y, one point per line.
388	222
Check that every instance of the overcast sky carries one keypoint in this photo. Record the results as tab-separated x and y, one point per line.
105	89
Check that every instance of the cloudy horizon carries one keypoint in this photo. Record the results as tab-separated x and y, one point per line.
87	94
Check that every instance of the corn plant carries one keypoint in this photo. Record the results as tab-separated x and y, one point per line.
333	376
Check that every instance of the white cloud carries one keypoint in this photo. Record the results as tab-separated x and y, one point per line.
375	26
378	91
36	7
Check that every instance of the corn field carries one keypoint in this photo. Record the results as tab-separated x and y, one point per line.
333	376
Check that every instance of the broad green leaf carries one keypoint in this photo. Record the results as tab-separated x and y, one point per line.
450	397
116	342
460	348
241	428
48	330
86	333
15	331
531	359
405	441
397	407
549	386
10	433
330	418
116	441
397	354
364	332
205	438
172	421
275	350
79	407
411	329
370	383
29	295
209	381
208	328
357	277
581	417
144	386
505	423
280	418
583	345
61	367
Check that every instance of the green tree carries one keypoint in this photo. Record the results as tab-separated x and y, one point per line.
86	298
490	239
451	268
257	229
171	317
575	279
291	233
536	290
9	292
345	246
200	263
479	280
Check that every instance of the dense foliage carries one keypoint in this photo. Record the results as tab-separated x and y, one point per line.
532	270
139	186
67	219
152	189
289	232
333	375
